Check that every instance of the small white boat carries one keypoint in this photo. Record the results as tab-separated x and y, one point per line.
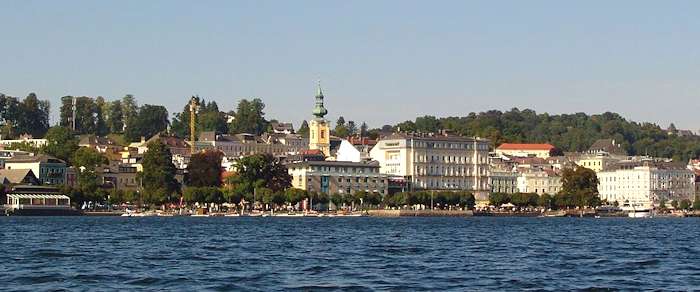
639	214
233	215
200	215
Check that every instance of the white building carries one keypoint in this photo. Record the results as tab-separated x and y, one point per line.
436	161
645	185
539	182
28	139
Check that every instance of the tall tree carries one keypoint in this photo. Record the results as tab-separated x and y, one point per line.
352	128
34	118
341	129
208	118
158	176
249	117
101	108
580	184
304	128
60	143
204	169
86	160
151	119
129	109
115	121
261	170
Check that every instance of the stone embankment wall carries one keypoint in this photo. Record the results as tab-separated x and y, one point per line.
420	213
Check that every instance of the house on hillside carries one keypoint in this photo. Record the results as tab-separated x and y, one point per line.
526	150
51	170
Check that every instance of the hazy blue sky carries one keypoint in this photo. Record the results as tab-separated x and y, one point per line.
379	61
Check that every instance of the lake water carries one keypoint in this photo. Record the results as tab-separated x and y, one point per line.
410	254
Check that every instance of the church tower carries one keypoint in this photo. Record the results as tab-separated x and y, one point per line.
319	131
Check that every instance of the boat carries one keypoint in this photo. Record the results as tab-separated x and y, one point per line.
641	213
232	215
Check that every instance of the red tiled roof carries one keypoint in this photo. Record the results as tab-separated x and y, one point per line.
312	152
514	146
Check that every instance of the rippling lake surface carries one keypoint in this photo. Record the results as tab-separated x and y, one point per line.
409	254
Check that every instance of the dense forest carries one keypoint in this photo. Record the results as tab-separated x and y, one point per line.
569	132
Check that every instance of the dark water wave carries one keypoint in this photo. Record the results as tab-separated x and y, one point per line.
355	254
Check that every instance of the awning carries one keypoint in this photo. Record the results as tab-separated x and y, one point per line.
37	196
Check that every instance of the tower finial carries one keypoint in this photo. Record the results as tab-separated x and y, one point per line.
319	111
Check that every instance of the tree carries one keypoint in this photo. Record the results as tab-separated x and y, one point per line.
261	170
34	118
208	118
129	110
60	143
696	203
363	129
352	128
337	200
427	124
294	196
101	111
204	169
582	184
158	176
115	117
87	160
248	117
498	199
684	204
303	129
545	201
406	127
340	129
151	120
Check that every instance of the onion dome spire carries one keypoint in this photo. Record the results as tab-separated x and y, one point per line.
319	111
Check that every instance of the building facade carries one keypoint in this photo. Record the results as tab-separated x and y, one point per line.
646	185
539	181
525	150
48	169
436	162
503	182
338	177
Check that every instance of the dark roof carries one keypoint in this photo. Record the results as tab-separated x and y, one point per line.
35	158
336	163
431	137
282	127
607	145
96	140
207	136
169	141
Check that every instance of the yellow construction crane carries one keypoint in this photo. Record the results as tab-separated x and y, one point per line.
193	112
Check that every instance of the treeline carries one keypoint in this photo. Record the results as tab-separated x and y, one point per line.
569	132
125	117
27	116
561	200
439	200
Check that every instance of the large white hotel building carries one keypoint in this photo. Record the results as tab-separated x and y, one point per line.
436	162
646	184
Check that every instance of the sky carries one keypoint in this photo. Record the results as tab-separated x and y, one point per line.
378	61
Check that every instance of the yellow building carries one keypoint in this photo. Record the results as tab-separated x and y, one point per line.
319	130
597	163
